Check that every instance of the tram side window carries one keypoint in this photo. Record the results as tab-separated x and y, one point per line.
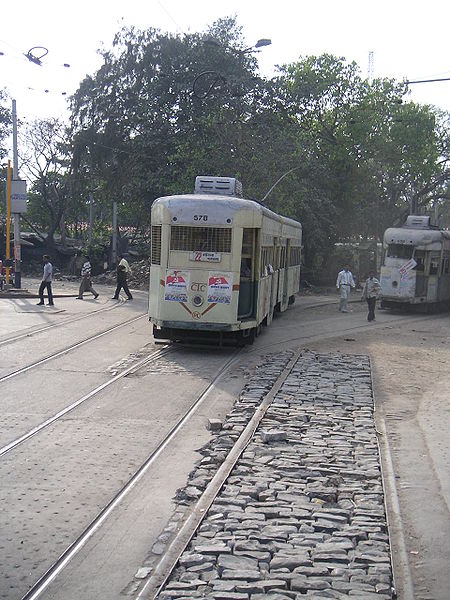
266	261
434	264
446	266
399	251
295	256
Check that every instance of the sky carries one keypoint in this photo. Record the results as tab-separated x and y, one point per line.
409	40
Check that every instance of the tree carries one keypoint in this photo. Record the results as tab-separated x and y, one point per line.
47	162
163	109
139	129
378	154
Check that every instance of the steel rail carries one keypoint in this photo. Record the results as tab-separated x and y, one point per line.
338	333
10	340
399	554
64	411
69	349
166	565
38	588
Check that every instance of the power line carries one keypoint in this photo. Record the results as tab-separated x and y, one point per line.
428	80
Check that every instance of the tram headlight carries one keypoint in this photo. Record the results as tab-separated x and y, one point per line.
197	300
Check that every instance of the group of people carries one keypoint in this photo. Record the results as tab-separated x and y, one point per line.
371	290
123	271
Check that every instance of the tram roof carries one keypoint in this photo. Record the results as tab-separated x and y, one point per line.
231	202
414	237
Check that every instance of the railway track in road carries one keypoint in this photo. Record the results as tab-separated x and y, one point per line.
88	532
304	510
132	369
38	588
70	348
29	334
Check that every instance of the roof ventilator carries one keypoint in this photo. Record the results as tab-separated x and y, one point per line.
419	222
224	186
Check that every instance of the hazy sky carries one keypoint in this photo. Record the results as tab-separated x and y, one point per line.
408	39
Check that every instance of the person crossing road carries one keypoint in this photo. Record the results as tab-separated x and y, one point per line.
344	284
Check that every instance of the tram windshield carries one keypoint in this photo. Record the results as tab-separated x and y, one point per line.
400	251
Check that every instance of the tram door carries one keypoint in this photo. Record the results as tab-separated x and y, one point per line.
246	303
421	273
287	255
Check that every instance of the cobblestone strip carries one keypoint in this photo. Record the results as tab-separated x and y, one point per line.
302	513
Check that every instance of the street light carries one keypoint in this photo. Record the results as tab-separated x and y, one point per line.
263	42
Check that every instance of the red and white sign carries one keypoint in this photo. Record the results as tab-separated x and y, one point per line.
176	286
406	268
200	256
220	287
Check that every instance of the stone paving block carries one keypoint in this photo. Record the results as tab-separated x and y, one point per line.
229	596
236	562
242	574
307	510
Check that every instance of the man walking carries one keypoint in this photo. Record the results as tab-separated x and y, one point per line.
46	281
371	291
123	270
344	283
86	283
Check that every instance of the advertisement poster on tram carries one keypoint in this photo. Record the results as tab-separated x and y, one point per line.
406	268
220	287
176	285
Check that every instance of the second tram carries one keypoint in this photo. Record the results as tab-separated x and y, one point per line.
416	266
221	265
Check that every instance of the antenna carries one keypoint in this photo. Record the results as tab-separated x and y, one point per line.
370	67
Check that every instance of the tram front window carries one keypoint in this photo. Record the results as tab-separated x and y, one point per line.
400	251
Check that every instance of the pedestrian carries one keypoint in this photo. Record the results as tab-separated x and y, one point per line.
123	270
344	284
371	292
86	283
46	281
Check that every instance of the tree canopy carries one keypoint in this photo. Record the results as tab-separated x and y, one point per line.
163	109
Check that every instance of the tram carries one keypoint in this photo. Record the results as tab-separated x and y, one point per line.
416	266
221	265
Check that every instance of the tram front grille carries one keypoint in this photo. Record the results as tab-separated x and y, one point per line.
206	239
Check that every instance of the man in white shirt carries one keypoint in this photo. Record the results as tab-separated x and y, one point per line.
344	284
46	281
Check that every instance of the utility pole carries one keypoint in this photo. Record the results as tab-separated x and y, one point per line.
114	235
91	216
8	222
370	69
17	247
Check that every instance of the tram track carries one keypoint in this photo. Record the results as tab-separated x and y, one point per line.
97	522
338	333
132	369
166	565
29	334
68	349
39	587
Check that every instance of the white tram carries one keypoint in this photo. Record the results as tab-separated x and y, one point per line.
416	267
220	265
